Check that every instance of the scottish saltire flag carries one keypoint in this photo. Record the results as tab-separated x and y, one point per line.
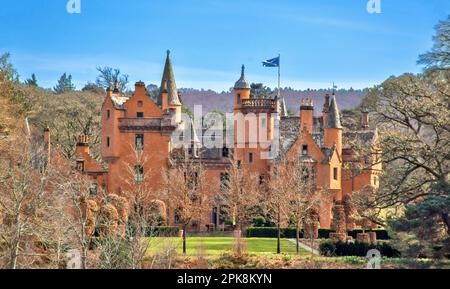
275	62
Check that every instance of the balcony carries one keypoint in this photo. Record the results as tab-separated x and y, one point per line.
140	124
259	103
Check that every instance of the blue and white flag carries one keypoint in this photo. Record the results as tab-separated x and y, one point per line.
275	62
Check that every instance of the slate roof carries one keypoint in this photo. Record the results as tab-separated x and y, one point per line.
168	84
366	137
333	117
119	100
242	83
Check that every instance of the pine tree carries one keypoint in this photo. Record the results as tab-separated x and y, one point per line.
32	81
64	84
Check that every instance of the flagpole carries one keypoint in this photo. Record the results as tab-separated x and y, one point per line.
279	75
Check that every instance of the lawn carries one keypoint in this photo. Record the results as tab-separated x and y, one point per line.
217	245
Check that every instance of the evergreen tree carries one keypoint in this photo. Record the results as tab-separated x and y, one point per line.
32	81
425	224
64	84
439	56
7	68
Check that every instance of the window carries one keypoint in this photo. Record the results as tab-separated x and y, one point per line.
262	180
305	150
239	98
225	152
140	103
108	141
93	188
140	115
80	166
250	158
239	164
108	114
139	142
224	181
263	122
335	173
139	171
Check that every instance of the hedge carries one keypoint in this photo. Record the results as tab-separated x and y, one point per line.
329	248
381	234
272	232
163	231
289	233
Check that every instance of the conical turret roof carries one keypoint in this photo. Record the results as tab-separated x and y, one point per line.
168	84
333	117
242	83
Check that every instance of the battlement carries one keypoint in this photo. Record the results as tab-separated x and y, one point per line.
259	103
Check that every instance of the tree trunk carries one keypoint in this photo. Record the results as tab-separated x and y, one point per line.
279	233
14	253
446	219
15	244
297	238
184	239
84	248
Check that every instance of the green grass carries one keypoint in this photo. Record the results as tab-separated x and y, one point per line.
210	246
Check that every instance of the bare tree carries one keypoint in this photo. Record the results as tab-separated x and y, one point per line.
186	192
240	196
25	200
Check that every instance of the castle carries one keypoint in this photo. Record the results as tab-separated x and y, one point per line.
140	123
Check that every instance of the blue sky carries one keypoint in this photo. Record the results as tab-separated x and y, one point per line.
320	41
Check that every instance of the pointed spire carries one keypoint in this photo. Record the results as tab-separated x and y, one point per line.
116	86
168	84
284	111
326	105
333	118
242	83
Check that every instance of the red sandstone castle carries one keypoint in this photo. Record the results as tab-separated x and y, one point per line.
147	125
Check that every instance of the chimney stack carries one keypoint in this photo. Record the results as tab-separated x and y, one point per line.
140	88
307	114
82	145
364	119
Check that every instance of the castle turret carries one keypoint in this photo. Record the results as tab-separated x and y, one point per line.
168	95
333	128
241	90
169	98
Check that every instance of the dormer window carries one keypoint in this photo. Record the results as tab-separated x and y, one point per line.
140	115
305	150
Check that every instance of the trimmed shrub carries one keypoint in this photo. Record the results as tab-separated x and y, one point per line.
163	231
381	234
263	232
330	248
289	233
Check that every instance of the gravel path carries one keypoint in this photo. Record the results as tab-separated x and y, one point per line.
306	247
